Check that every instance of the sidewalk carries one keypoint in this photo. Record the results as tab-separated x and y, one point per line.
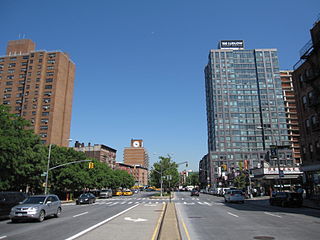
263	201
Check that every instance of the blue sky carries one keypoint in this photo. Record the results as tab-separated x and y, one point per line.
139	64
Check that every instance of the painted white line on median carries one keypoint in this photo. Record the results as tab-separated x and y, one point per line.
3	237
274	215
232	214
100	223
80	214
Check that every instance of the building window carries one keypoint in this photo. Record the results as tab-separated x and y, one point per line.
7	95
13	58
45	114
48	87
10	71
10	77
12	65
50	74
6	102
9	89
24	64
49	80
43	127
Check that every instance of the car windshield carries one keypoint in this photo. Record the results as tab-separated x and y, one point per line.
84	195
35	200
236	192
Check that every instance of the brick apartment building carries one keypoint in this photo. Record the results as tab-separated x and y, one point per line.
136	154
291	114
306	81
38	86
100	152
139	173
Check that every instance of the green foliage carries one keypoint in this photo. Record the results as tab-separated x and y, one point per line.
193	179
21	159
168	168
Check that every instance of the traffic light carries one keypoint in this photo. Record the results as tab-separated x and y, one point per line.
91	165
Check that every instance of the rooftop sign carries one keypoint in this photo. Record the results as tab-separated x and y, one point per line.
231	44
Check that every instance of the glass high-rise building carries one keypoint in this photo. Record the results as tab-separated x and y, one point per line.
245	107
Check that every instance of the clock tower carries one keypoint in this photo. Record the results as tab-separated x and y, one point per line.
136	154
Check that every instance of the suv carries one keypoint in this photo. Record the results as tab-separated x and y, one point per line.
36	207
285	199
107	193
8	200
234	195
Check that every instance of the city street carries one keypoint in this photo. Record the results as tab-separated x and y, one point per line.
78	218
203	217
208	217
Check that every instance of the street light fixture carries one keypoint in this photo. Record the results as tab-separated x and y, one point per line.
48	165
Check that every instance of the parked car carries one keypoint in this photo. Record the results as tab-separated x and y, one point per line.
127	192
194	192
285	199
106	193
117	192
234	195
9	200
86	198
36	207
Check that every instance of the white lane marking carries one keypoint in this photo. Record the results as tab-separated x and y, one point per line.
207	203
135	220
130	202
123	203
274	215
232	214
80	214
2	237
100	223
115	203
192	203
201	203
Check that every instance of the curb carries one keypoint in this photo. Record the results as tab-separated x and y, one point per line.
159	224
170	227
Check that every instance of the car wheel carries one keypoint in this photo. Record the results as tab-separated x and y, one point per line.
283	204
225	200
14	220
41	216
58	212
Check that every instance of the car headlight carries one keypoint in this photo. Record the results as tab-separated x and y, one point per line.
86	199
33	208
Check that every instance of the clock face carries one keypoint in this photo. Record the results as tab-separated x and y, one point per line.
136	144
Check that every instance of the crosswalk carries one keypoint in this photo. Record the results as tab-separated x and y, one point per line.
151	202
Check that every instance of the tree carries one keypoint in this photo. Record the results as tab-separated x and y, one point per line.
193	179
168	168
21	158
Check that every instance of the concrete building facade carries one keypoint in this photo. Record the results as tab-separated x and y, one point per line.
245	110
38	86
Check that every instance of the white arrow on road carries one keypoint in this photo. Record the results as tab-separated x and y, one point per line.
135	220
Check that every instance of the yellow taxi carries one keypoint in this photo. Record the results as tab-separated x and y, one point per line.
127	193
117	193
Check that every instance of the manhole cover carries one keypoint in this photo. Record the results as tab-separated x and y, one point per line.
263	238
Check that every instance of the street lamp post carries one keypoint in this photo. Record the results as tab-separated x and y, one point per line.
161	175
47	173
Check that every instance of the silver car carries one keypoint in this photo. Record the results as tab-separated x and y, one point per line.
107	193
36	207
234	195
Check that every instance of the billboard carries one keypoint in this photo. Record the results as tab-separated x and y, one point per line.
231	44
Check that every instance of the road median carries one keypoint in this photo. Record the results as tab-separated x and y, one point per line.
169	229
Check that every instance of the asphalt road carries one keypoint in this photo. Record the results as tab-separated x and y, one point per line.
208	217
77	218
